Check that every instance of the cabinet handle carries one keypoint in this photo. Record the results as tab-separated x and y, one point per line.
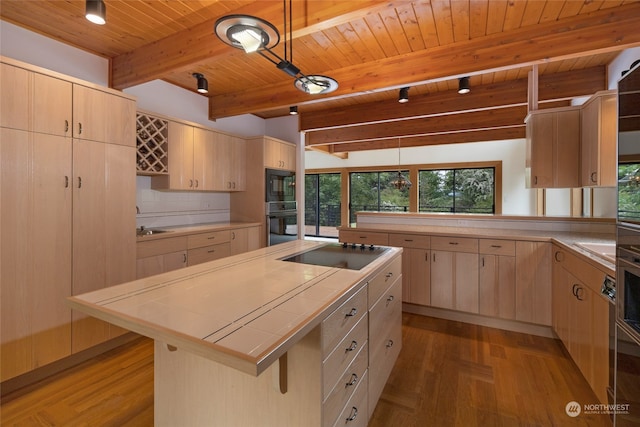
434	257
559	256
408	240
573	290
79	128
388	275
66	126
353	346
390	299
79	182
496	246
211	237
579	293
184	257
453	243
483	261
233	235
353	381
234	185
66	181
354	413
351	313
211	251
594	176
389	343
196	183
535	180
190	183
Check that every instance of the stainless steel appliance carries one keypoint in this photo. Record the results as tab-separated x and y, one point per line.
627	367
282	222
280	185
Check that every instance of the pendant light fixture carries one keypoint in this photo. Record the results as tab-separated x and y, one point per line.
96	11
403	95
401	182
203	84
253	34
463	85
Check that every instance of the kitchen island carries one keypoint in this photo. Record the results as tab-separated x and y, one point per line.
253	339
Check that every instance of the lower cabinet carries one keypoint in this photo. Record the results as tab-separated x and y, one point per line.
454	273
244	239
581	317
416	270
159	256
533	282
497	296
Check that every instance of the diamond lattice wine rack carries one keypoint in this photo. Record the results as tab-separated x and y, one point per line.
151	143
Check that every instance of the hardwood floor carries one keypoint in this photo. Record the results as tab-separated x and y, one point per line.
448	374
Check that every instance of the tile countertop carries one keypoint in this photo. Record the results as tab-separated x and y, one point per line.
182	230
566	239
244	311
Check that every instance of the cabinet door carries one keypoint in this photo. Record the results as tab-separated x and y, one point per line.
497	296
205	174
35	277
442	279
239	240
90	113
288	155
566	166
598	135
416	276
238	163
466	282
15	102
539	159
52	108
180	160
533	282
223	163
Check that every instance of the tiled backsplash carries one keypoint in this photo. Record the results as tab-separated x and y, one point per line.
169	208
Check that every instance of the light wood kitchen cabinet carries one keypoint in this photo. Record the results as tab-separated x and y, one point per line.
497	277
279	154
35	254
533	282
553	147
363	237
161	255
454	273
416	271
230	163
75	199
244	239
598	134
204	247
581	317
103	211
180	161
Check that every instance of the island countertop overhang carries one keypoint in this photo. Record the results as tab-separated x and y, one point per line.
243	311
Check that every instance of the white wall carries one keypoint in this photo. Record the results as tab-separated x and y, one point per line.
516	199
620	64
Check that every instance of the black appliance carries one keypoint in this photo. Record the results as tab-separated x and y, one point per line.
351	257
627	409
282	222
280	185
628	273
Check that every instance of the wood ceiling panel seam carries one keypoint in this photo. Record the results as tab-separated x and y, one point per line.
478	13
496	17
591	6
355	42
460	20
570	8
551	11
444	22
427	24
381	35
409	24
364	33
532	13
327	49
392	24
342	46
513	17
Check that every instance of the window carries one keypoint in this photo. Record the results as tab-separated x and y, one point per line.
469	190
628	191
322	195
374	191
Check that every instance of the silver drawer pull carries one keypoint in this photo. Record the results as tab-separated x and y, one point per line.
352	313
389	299
496	246
353	346
211	237
388	275
353	381
389	343
453	243
354	413
211	251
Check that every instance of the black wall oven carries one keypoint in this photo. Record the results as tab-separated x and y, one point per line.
280	185
281	208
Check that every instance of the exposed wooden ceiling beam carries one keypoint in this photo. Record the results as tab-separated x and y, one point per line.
557	86
183	50
601	31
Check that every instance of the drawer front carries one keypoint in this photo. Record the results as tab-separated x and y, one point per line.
454	244
207	239
160	246
355	412
344	353
386	310
497	247
366	237
340	322
208	253
337	398
410	241
384	279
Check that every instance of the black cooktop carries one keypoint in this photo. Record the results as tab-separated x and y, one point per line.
340	256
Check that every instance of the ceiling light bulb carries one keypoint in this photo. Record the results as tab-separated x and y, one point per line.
250	40
96	11
403	96
293	110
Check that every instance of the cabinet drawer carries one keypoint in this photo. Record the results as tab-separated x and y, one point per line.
385	311
207	239
384	279
498	247
355	412
208	253
366	237
344	353
338	323
160	247
336	399
454	244
410	241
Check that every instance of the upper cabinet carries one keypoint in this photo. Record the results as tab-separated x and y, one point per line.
599	135
553	144
194	158
279	154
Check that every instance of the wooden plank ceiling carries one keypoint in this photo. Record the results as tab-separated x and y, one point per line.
372	48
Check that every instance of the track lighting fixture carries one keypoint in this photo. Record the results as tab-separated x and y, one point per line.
293	110
403	96
253	34
203	84
463	85
96	11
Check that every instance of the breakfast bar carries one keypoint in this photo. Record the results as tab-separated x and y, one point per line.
267	337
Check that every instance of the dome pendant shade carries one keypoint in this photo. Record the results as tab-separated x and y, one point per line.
315	84
247	32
